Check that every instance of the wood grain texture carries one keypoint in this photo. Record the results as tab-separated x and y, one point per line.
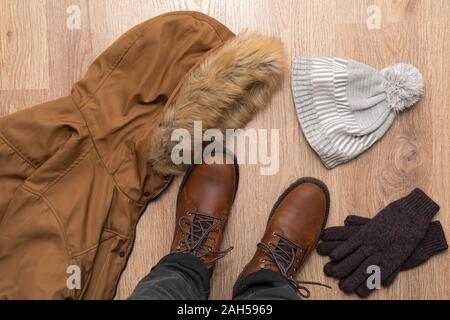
40	59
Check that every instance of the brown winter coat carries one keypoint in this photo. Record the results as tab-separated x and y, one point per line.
77	173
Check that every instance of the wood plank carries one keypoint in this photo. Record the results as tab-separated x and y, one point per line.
41	53
23	45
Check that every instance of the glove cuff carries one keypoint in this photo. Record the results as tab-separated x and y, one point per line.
419	206
434	241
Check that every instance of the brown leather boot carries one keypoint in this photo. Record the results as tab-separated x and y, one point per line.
293	230
204	202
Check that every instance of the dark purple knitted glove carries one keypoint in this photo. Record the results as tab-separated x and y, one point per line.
386	241
433	243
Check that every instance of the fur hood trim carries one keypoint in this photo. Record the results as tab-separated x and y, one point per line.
225	91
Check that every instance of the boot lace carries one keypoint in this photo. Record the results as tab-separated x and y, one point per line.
195	239
282	256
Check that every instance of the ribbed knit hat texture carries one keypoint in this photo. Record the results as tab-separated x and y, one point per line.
345	106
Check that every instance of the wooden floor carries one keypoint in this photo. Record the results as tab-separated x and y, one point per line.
40	58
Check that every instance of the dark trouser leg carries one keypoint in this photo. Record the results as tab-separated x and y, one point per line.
265	285
178	276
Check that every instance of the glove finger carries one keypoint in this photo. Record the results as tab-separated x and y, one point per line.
339	233
363	291
346	248
353	220
390	279
357	277
325	247
328	267
344	267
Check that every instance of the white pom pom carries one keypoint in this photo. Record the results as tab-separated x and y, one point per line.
404	85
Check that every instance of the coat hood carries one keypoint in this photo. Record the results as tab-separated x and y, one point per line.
167	73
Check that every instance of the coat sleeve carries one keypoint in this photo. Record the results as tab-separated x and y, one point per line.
33	255
13	172
30	137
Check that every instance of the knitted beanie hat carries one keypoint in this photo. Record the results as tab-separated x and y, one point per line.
345	106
